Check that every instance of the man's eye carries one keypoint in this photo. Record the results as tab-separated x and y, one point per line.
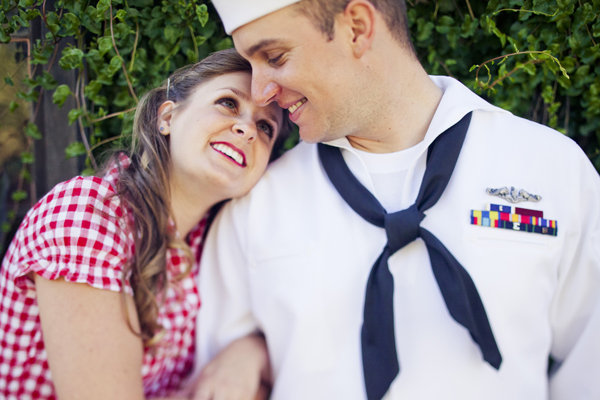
265	127
228	102
277	60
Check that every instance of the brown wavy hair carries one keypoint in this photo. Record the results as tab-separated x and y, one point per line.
144	187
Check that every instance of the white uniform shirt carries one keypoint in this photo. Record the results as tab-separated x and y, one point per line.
292	259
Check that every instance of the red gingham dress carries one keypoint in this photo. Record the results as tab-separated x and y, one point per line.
79	232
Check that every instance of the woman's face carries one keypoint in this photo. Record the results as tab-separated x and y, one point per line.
220	141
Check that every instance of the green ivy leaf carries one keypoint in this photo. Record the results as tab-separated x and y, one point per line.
41	53
114	65
133	13
26	3
104	44
32	131
32	14
123	99
424	30
4	35
92	88
60	95
75	149
13	106
71	58
46	81
74	114
88	172
21	19
92	20
70	24
225	43
52	22
202	14
122	30
103	6
596	29
172	33
18	195
27	157
26	174
29	95
120	15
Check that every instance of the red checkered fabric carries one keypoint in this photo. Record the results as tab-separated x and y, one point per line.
79	232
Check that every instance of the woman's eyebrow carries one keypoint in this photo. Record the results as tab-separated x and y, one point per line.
237	92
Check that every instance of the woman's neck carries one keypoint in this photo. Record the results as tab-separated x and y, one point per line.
188	208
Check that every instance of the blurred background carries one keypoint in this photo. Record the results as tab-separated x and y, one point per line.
72	72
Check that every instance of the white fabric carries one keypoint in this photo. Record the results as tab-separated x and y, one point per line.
235	13
292	260
388	174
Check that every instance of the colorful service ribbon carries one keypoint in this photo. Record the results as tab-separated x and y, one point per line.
515	218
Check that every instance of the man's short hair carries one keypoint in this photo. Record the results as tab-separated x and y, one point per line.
322	13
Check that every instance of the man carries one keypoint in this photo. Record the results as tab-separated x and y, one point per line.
360	299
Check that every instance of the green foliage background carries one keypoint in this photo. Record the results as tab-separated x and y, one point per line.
538	59
552	71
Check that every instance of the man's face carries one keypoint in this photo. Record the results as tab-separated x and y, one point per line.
295	65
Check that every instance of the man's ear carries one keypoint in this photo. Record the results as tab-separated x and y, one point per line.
360	17
165	113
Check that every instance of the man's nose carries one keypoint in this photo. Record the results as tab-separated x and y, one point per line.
264	90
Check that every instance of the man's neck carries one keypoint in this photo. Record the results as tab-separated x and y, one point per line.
405	104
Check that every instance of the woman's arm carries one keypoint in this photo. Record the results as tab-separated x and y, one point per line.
92	353
241	371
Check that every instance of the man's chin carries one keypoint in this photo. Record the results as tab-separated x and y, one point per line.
310	136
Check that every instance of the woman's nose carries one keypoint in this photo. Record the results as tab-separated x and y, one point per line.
245	129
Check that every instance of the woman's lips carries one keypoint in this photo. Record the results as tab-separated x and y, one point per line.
232	152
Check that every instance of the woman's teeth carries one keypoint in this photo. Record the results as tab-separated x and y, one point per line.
229	152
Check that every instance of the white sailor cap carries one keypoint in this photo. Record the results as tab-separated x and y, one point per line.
235	13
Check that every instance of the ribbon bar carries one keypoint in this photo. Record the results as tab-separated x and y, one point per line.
516	222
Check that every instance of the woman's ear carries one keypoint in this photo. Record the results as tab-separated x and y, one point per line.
165	113
360	17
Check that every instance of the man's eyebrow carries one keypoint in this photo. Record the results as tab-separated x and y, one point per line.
258	46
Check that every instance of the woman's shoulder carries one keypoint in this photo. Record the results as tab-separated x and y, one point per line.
79	197
78	231
85	194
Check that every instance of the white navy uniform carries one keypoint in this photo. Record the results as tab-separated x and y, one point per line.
292	259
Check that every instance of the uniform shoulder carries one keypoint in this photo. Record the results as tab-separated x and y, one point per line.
523	133
295	161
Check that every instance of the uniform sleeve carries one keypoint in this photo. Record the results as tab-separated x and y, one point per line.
224	287
575	314
77	232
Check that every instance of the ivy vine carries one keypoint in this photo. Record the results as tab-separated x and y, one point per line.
536	58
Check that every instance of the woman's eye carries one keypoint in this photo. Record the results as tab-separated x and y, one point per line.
265	127
227	102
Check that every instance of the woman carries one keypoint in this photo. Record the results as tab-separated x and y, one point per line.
98	289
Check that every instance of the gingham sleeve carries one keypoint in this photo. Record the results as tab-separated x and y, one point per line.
79	232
